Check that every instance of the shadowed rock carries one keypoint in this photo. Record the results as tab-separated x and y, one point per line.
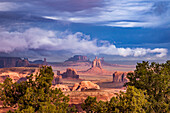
70	73
120	76
8	61
78	58
57	79
15	62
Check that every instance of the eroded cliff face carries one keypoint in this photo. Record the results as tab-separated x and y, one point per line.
6	62
120	76
85	85
70	73
96	68
57	79
18	74
96	63
9	61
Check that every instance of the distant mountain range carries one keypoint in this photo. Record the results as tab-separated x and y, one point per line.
77	60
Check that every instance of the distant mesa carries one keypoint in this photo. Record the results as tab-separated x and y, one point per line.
23	63
9	61
78	58
70	73
6	62
43	62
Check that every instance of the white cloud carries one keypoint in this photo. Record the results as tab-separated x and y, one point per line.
162	52
78	43
8	6
121	13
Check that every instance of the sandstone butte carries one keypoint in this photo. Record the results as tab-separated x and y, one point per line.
70	73
96	68
119	76
85	85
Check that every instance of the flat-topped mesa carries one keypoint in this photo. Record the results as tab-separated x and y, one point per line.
78	58
9	61
6	62
96	63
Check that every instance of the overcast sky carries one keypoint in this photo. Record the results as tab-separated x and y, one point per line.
119	30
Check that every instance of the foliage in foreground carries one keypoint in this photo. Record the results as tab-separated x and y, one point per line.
35	95
131	101
155	79
148	91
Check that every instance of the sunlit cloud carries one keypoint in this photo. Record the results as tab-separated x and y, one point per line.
77	43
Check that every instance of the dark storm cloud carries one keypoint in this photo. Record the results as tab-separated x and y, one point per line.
122	13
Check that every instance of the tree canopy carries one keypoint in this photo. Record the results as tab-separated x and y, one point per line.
35	94
155	79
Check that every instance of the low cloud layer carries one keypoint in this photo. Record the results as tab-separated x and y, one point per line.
77	43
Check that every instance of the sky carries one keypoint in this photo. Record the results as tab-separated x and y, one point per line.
119	30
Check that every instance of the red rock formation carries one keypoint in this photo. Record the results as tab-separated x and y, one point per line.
96	68
17	74
14	76
120	76
57	79
96	63
45	62
70	73
85	85
58	72
22	63
8	61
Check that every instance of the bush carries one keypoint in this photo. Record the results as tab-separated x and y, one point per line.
155	79
131	101
35	95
